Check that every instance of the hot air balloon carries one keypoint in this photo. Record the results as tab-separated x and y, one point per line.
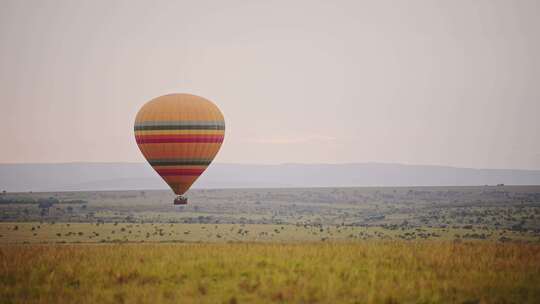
179	135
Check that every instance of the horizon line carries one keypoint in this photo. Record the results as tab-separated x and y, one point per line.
278	164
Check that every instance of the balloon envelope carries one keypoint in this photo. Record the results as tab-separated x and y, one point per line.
179	135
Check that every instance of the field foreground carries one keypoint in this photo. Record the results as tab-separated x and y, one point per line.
361	272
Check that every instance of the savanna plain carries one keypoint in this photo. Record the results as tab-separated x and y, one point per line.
317	245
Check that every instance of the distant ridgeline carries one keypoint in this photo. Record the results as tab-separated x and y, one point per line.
135	176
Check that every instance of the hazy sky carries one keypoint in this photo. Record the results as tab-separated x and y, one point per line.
422	82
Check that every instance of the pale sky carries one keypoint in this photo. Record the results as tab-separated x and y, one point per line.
417	82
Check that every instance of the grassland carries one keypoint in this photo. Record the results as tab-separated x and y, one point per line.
323	245
509	207
362	272
46	233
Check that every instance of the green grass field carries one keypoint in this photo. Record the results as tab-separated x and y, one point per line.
361	272
320	245
35	232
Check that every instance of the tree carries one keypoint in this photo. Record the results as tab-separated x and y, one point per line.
45	203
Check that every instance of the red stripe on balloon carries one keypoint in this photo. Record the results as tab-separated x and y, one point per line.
180	172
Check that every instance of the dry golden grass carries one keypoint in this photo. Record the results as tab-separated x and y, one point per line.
364	272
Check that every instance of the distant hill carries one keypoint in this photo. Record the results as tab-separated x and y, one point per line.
131	176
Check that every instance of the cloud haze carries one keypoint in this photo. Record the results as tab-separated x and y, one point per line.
420	82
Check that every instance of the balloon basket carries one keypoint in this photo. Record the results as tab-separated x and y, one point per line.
180	200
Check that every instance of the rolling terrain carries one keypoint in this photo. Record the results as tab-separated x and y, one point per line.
134	176
290	245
